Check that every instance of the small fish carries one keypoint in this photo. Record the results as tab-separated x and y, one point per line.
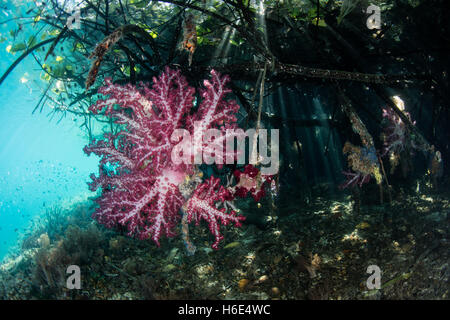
232	245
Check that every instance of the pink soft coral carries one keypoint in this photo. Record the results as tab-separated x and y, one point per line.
251	180
142	188
202	206
394	132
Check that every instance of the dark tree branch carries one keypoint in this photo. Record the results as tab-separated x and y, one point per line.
23	56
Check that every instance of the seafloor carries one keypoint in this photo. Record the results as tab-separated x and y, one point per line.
317	250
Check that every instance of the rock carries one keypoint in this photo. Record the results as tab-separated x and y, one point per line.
275	291
242	284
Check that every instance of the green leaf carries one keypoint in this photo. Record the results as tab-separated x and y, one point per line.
139	3
153	34
18	47
31	41
295	12
59	71
54	32
321	23
45	76
79	47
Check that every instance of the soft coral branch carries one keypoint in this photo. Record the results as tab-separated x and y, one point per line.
202	205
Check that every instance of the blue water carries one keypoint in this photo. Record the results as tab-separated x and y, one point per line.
41	162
